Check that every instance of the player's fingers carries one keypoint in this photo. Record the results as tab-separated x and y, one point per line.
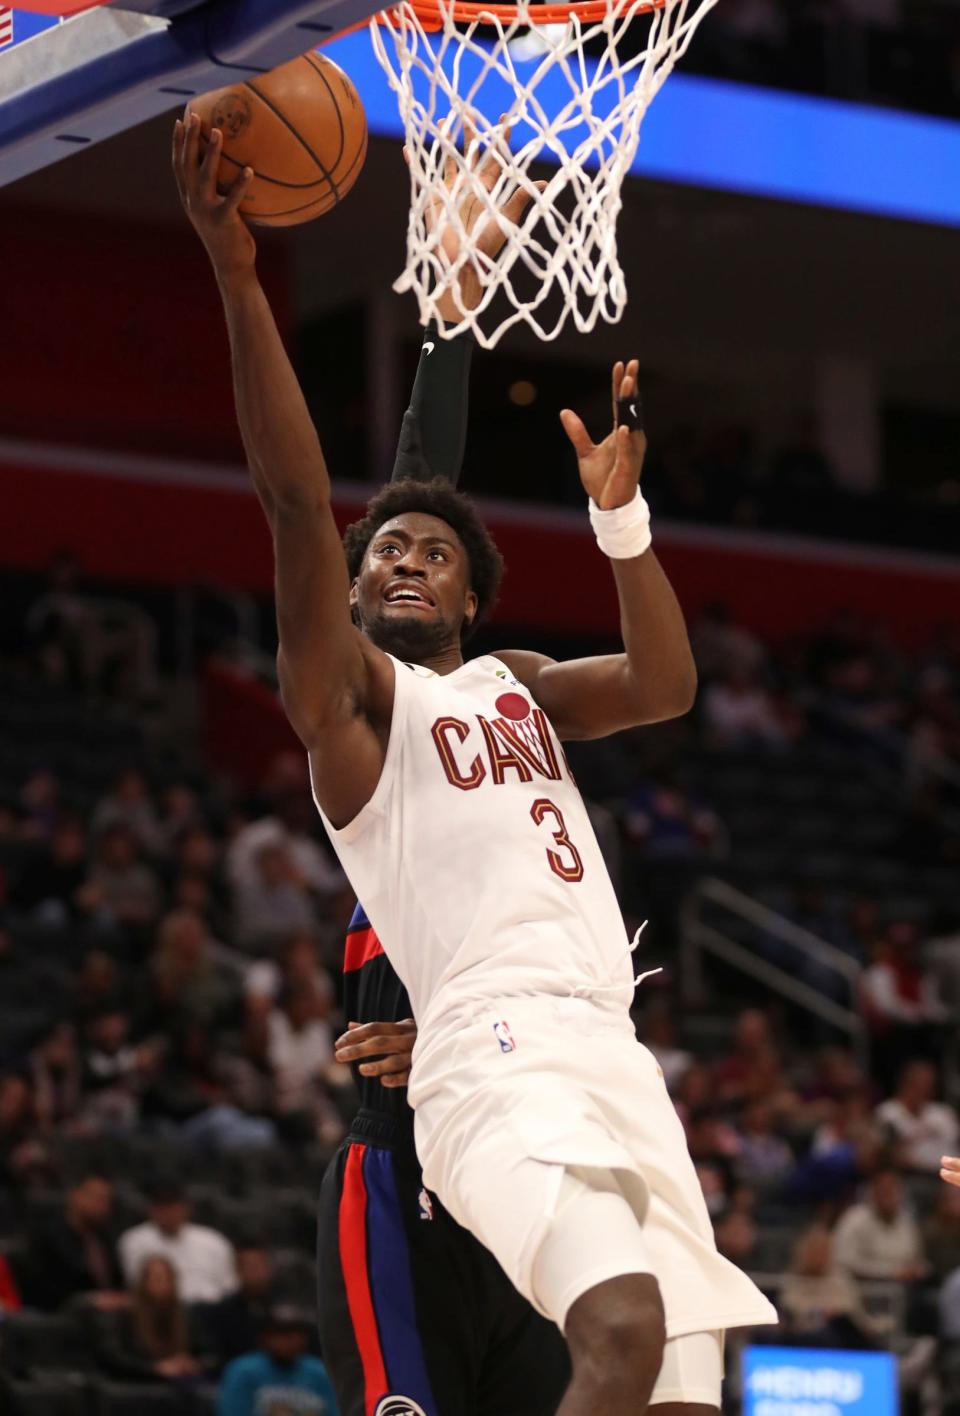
385	1066
498	151
238	189
380	1045
176	156
471	143
574	428
191	148
397	1079
210	163
616	379
517	204
406	154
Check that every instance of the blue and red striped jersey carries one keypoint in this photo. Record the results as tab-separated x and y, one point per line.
372	993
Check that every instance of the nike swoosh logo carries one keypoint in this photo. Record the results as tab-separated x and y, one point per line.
633	410
428	347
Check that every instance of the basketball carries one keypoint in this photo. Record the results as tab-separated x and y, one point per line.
302	129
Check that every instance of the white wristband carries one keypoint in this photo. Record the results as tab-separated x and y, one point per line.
623	532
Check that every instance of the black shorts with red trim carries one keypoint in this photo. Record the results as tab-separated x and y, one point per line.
416	1317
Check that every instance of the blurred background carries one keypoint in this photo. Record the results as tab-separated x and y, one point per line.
171	919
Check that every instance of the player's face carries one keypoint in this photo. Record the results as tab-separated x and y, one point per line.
413	592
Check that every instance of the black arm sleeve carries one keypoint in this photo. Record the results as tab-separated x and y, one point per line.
434	430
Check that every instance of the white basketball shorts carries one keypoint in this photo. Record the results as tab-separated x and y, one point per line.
508	1103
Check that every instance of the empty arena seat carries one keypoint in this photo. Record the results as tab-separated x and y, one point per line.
50	1396
36	1344
138	1399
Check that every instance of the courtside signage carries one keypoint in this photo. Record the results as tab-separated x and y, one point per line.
798	1381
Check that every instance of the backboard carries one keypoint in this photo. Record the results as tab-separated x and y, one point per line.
65	85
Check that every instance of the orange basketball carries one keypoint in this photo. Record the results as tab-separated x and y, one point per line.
301	128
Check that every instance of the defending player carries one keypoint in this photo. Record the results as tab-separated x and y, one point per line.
540	1121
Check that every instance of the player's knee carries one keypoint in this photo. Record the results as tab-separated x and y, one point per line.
617	1333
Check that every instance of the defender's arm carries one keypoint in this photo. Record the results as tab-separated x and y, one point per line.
655	678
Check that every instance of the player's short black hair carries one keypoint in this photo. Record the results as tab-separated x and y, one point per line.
433	498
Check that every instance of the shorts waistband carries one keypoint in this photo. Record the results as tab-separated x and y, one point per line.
380	1128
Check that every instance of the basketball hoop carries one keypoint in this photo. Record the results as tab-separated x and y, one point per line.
577	101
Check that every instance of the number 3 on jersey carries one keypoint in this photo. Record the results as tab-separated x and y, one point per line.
567	865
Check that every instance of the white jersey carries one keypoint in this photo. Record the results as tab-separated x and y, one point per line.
475	859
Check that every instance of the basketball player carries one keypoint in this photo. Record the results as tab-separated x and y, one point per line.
541	1123
411	1305
409	1301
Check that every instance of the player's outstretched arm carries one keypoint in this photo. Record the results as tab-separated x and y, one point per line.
330	676
655	678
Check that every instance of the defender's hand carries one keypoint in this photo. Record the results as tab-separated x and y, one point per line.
950	1169
610	470
390	1044
488	233
215	218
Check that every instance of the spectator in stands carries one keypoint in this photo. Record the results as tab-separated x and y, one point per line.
19	1125
738	712
203	1259
73	1251
896	1002
180	813
128	803
52	886
659	1033
234	1324
40	806
719	644
764	1159
273	899
99	986
299	1054
736	1236
879	1238
666	822
752	1040
265	1380
671	831
115	1070
187	982
845	1146
154	1337
819	1303
57	1076
922	1128
296	967
941	1233
129	889
211	1093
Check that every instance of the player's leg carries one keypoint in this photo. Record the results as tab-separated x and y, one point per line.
398	1314
526	1366
593	1276
615	1333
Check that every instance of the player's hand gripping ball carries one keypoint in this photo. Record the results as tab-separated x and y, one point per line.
303	131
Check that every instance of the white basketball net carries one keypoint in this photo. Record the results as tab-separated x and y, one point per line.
565	107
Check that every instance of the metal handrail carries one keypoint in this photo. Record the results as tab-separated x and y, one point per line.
765	918
699	937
